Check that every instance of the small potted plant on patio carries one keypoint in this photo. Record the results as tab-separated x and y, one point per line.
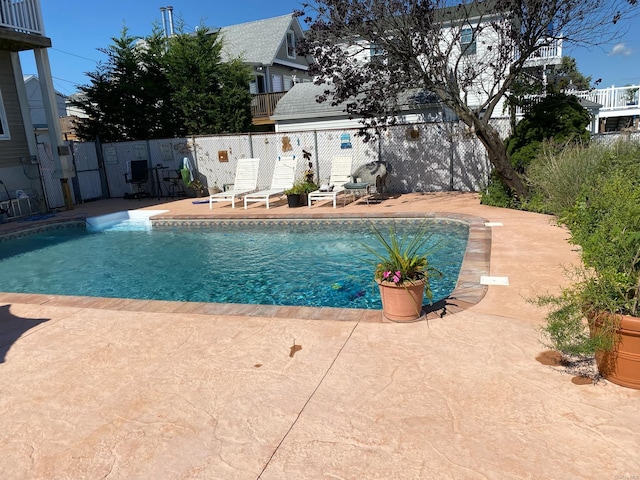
402	272
297	194
598	313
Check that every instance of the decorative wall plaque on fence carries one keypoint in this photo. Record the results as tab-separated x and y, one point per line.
223	156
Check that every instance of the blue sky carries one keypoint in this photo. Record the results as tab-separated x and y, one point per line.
77	28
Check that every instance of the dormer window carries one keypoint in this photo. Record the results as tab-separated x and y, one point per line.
291	44
467	41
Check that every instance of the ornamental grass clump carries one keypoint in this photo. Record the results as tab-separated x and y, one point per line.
403	260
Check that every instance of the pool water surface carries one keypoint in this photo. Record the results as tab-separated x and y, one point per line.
318	265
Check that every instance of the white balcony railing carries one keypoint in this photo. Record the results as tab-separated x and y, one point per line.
546	55
22	16
613	98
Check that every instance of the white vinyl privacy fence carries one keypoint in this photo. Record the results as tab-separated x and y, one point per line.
430	157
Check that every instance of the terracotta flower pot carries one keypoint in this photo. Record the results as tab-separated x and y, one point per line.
402	303
622	364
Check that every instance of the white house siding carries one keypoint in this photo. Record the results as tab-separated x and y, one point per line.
329	123
483	84
315	124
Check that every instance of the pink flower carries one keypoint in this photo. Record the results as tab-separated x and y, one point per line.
397	277
386	274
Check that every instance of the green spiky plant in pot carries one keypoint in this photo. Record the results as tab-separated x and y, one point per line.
402	271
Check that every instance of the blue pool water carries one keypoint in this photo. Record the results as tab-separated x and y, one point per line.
279	264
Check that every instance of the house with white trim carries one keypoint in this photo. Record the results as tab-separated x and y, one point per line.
465	44
21	30
268	46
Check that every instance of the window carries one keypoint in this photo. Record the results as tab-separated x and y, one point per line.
468	41
276	83
375	51
288	83
291	44
4	126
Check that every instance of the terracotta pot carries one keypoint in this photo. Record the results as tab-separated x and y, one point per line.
402	303
622	364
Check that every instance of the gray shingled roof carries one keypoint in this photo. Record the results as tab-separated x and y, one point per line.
300	102
255	42
588	103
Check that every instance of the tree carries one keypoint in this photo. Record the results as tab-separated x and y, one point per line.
128	97
557	118
567	75
162	88
469	55
213	96
533	82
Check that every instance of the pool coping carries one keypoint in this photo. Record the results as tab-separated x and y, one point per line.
468	291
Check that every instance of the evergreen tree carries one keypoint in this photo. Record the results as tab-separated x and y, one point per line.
162	88
128	97
212	96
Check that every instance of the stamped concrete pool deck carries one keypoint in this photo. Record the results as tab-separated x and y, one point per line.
127	389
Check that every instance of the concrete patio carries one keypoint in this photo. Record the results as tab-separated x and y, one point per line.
129	389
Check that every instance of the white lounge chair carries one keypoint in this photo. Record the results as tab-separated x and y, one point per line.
246	181
284	174
340	174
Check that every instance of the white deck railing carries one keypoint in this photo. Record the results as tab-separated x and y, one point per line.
613	98
547	55
22	16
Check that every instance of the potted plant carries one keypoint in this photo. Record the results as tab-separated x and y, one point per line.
402	272
598	313
196	188
297	194
630	95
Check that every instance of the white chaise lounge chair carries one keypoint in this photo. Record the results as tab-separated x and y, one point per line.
284	174
340	174
246	181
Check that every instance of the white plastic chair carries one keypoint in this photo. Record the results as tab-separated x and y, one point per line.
246	181
20	195
284	175
340	174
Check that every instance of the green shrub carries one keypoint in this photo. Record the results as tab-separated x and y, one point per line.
557	118
604	222
497	195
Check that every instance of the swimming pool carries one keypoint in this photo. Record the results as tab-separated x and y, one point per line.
298	263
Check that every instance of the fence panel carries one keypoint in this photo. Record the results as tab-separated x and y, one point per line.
87	171
420	157
165	160
470	164
216	158
610	138
52	189
117	160
334	143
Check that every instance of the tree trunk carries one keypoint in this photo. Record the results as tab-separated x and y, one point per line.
497	152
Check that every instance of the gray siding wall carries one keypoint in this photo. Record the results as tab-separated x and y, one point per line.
11	150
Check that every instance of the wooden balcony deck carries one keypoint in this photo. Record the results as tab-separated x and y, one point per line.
263	105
